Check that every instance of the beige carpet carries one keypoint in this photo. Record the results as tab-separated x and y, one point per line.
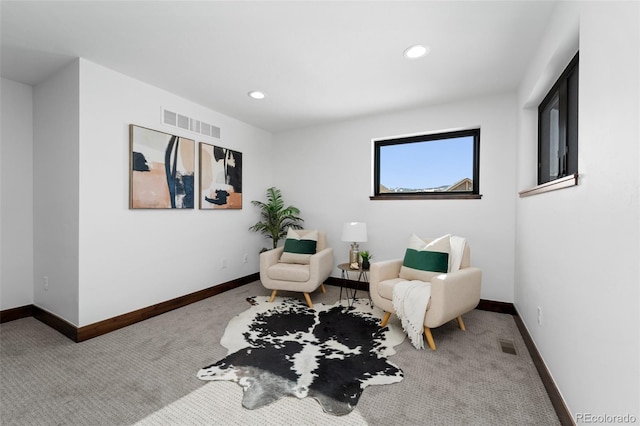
222	400
145	374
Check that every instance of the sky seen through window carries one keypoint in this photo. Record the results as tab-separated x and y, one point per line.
428	164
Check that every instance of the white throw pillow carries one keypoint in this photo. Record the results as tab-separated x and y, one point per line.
299	248
422	260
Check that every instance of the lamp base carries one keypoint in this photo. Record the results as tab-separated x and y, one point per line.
354	256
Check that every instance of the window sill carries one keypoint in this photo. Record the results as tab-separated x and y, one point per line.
565	182
426	197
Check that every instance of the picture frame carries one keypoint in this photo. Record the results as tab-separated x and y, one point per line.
161	170
220	177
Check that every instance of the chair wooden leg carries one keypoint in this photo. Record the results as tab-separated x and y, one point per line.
461	323
306	296
324	290
429	336
385	319
273	295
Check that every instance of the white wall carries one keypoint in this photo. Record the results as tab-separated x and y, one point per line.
16	226
577	250
55	193
326	171
130	259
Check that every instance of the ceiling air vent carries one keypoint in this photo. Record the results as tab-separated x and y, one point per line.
183	122
194	125
175	119
205	129
169	117
215	132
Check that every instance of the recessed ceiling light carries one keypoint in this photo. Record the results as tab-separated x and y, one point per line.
256	95
415	52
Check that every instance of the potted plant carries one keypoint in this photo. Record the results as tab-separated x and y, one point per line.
366	257
275	217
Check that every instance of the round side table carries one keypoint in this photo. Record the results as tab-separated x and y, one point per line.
344	273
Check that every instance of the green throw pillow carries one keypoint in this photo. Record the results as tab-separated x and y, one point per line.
434	261
423	261
299	248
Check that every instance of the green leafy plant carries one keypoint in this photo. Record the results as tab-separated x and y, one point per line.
365	255
275	217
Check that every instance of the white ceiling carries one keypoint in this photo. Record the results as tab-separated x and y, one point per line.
317	61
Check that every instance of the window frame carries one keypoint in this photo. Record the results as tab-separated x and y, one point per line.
568	125
473	194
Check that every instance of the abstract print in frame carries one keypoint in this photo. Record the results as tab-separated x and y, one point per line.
220	178
162	170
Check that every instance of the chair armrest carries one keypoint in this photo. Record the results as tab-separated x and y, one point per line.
453	294
384	270
320	265
270	257
379	272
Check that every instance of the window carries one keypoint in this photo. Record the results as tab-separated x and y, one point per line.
558	128
443	165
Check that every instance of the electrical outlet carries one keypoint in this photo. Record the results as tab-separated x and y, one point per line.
539	315
245	258
223	263
45	281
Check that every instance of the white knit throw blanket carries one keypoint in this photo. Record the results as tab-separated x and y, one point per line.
410	300
457	251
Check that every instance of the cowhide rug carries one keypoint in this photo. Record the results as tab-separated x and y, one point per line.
330	353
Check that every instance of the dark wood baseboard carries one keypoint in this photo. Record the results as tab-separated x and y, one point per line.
80	334
16	313
55	322
111	324
552	390
339	282
495	306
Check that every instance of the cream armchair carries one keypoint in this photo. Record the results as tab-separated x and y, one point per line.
452	294
306	278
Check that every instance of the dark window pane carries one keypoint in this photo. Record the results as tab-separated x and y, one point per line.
572	122
558	127
553	149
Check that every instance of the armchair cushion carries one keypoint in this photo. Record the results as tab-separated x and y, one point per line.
298	247
423	261
385	288
289	272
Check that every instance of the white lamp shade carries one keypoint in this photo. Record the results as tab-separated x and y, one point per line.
355	232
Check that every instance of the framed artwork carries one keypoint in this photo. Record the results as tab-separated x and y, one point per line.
220	178
162	168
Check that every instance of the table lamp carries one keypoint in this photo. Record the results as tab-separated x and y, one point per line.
354	232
